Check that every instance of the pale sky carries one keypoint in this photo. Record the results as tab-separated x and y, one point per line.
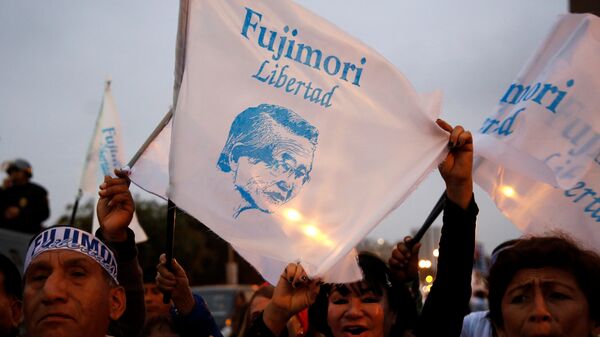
56	55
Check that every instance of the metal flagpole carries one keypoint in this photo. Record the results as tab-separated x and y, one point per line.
171	215
435	212
75	206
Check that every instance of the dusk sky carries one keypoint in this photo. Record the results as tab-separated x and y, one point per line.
57	54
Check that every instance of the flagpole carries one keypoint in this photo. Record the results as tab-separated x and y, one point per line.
75	206
171	214
151	138
435	212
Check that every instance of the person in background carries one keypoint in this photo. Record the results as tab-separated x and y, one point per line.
479	294
10	297
23	204
545	286
477	323
153	298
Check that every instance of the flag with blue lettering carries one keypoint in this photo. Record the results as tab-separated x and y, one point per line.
291	139
540	149
105	154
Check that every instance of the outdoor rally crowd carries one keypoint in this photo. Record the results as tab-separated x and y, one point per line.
76	284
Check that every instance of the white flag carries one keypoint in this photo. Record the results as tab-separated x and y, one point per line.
105	154
545	132
291	139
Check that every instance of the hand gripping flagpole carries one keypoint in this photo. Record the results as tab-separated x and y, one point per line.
171	215
435	212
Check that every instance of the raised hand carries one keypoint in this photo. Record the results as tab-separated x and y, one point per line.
457	168
294	292
404	263
115	207
176	283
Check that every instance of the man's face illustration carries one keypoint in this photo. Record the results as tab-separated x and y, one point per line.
270	183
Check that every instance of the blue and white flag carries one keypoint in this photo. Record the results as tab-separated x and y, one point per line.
291	139
105	154
540	149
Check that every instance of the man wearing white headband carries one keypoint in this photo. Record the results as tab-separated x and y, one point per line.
71	283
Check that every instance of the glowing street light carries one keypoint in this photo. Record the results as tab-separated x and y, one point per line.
424	264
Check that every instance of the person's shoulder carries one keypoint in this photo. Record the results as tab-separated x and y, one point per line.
37	187
476	324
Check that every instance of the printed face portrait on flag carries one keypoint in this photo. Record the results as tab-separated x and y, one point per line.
290	139
269	152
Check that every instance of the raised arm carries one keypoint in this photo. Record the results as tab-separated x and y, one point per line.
448	301
115	210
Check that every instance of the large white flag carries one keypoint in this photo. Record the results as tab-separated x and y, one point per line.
105	154
291	139
542	144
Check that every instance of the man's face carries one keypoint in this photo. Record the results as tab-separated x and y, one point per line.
154	301
545	302
271	184
67	293
18	177
10	310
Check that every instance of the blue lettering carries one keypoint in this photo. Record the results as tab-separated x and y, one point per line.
91	244
516	93
298	52
505	127
257	75
587	191
327	64
278	78
579	185
248	21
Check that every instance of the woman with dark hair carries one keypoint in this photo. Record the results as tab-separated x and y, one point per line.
545	286
379	305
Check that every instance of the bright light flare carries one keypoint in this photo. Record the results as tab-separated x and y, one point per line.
428	278
507	191
292	215
311	231
315	233
436	252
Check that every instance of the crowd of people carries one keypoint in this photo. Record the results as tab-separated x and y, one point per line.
78	284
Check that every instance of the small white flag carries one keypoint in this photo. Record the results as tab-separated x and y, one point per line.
545	132
105	154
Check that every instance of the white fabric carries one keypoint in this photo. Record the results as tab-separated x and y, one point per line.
326	171
549	137
151	170
105	154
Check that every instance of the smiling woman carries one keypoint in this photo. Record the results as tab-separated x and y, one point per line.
380	305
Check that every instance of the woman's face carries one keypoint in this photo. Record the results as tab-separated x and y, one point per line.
545	302
356	310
